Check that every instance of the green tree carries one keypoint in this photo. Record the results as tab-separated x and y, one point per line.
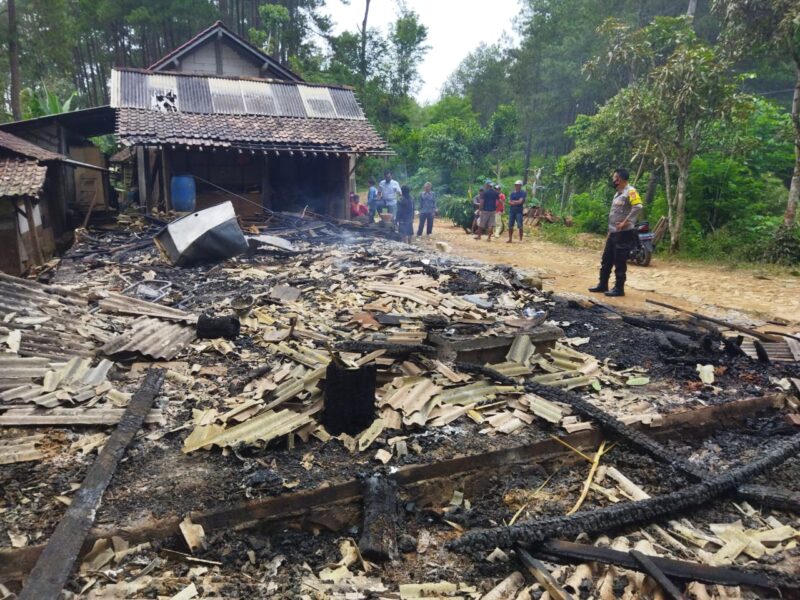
773	28
274	18
457	150
408	36
503	136
669	109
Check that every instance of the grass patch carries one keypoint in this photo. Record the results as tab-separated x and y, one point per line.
558	234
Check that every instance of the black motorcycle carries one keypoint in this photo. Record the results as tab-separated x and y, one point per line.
643	252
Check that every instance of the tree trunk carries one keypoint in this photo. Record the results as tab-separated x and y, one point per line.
670	200
678	214
13	60
790	216
528	150
652	184
362	59
566	193
692	8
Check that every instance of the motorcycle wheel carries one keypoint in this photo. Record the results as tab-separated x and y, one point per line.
645	256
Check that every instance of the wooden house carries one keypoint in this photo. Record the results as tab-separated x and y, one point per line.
246	128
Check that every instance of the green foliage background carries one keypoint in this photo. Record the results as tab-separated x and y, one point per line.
552	94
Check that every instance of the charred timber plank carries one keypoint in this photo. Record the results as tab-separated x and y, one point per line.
392	350
649	567
379	534
631	513
560	551
15	562
539	572
695	418
602	418
756	334
58	557
771	497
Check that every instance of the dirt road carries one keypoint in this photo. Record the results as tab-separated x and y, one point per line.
739	294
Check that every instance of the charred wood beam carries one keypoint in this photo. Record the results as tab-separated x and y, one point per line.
771	497
631	513
650	568
560	551
59	555
16	562
752	332
602	418
392	350
379	534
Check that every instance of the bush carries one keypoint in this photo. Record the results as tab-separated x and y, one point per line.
590	211
784	247
458	209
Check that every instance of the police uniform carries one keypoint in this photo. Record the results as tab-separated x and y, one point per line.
626	206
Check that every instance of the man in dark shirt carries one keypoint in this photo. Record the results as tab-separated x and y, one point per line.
516	209
488	208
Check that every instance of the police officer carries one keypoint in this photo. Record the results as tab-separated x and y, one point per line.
622	235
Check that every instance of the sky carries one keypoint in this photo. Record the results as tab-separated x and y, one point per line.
455	28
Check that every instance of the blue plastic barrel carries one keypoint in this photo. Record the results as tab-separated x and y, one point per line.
183	193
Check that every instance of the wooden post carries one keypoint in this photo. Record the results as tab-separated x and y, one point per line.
166	180
141	170
379	534
37	247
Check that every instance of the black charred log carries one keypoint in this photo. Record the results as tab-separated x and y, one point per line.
209	328
379	534
349	399
623	515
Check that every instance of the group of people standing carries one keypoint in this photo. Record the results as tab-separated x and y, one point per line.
490	201
388	195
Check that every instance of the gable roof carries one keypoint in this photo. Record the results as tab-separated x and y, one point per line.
219	29
183	110
17	145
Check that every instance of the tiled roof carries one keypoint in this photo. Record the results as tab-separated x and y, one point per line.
19	146
256	132
20	177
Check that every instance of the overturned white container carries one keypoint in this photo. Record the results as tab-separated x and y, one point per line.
205	236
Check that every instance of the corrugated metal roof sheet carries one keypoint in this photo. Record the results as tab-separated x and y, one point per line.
119	303
220	95
20	449
59	335
151	337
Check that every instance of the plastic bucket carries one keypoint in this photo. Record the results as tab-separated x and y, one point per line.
183	193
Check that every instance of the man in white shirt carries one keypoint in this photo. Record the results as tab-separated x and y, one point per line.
388	193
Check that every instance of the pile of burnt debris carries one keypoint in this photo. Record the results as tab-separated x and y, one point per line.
303	408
